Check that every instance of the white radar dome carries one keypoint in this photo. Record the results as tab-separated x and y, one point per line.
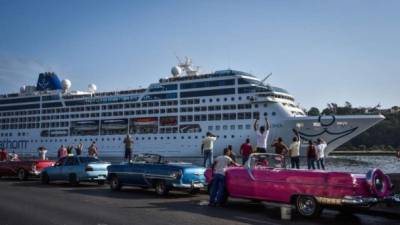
66	84
92	88
176	71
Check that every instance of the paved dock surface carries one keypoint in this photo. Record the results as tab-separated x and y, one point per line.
31	203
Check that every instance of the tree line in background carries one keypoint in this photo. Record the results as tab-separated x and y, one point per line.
383	136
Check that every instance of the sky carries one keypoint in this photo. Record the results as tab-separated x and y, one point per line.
320	51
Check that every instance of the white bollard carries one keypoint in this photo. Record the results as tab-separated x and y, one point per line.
286	213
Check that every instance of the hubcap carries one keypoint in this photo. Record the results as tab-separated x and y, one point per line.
307	205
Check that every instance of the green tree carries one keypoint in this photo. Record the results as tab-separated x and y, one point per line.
313	111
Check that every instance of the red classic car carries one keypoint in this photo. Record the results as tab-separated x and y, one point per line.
23	168
264	178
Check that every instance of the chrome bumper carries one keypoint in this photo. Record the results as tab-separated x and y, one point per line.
359	201
188	186
368	201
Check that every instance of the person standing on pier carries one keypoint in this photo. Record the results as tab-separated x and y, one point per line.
311	155
42	153
62	152
92	150
128	141
321	146
294	150
3	154
207	149
218	183
262	135
79	149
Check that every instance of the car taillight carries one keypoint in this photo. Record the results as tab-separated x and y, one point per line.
88	168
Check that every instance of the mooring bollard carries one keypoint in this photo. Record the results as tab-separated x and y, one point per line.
286	212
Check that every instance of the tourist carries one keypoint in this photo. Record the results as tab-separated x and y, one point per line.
232	153
245	150
321	146
128	147
92	150
79	149
280	147
3	154
207	149
311	155
218	183
294	151
398	154
69	149
14	156
262	135
62	152
42	152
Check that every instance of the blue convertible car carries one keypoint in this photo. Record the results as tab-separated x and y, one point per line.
153	171
75	169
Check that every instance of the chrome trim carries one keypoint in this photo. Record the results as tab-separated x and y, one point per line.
359	201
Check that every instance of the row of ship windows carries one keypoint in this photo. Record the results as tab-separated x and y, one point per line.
118	106
131	112
136	138
184	118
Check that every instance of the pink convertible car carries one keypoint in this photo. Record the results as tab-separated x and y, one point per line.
264	178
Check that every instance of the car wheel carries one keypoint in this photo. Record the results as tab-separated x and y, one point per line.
22	174
44	178
101	182
73	180
115	185
308	206
161	188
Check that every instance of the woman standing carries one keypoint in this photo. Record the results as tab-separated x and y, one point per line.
311	155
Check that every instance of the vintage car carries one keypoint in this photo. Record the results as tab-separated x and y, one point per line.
23	168
75	169
264	178
153	171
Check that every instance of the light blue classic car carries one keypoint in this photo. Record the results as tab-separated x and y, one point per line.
153	171
75	169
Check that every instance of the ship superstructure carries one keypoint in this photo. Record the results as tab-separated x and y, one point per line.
169	117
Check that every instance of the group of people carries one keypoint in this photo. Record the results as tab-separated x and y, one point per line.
315	154
65	151
4	155
315	150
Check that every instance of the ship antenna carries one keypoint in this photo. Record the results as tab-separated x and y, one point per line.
266	78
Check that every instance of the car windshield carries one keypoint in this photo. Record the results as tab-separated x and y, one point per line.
88	159
148	158
265	160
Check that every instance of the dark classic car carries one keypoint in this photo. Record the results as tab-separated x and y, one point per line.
264	178
153	171
23	168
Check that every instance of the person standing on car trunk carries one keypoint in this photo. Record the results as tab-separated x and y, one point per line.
128	147
79	149
207	149
262	135
218	183
311	155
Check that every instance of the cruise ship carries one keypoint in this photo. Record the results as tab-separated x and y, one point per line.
169	117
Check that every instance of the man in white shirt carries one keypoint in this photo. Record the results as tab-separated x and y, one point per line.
321	146
218	183
262	135
207	149
294	151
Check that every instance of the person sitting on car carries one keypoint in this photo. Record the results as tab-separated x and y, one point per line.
3	154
